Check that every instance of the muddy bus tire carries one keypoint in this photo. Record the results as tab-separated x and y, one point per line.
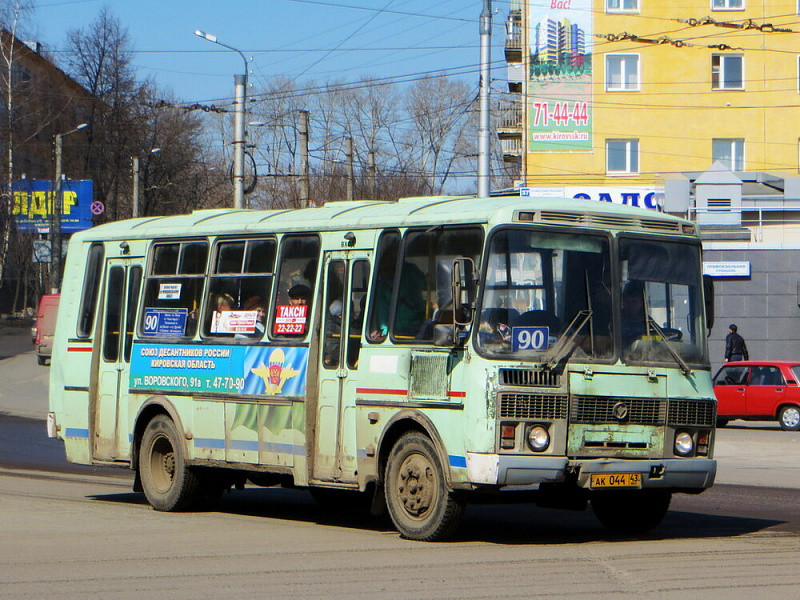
168	483
630	512
419	503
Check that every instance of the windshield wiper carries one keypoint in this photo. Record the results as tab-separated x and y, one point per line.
566	343
651	323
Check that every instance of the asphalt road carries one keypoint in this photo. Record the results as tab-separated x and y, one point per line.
79	532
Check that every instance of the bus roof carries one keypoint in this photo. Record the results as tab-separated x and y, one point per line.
406	212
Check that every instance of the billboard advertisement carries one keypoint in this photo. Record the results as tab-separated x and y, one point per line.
33	205
560	89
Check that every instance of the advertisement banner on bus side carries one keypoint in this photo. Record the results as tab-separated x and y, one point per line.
251	370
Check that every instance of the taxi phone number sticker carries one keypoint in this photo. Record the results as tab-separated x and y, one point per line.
616	480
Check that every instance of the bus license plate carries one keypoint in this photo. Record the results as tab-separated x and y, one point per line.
616	480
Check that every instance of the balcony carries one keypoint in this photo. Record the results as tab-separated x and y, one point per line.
514	37
509	127
512	150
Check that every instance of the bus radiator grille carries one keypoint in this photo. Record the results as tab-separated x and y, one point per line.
429	379
529	378
697	413
533	406
639	411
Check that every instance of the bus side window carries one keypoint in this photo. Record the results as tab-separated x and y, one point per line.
91	286
420	302
382	286
174	289
239	286
294	290
359	279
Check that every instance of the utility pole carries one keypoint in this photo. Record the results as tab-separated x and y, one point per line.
58	203
135	169
350	172
135	174
240	98
305	195
483	127
239	110
55	230
372	179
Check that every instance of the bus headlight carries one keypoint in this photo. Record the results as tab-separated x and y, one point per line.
684	443
538	438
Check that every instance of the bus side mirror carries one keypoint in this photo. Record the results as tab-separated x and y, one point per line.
463	290
708	296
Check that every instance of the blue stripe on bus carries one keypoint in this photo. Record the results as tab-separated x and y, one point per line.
283	448
250	445
209	443
457	461
243	445
76	432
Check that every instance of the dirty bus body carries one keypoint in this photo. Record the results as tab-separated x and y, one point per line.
424	352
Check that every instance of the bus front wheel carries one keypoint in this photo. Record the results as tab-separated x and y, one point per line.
630	512
168	483
419	503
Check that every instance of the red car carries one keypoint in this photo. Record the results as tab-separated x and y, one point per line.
756	390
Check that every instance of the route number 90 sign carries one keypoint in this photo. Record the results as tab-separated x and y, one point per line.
529	338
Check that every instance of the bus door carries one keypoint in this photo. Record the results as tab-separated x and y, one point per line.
346	278
123	280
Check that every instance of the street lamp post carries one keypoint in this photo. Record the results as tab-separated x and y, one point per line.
135	169
55	230
239	110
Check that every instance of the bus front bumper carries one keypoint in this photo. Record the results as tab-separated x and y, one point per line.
670	473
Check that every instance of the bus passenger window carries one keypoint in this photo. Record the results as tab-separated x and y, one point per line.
294	291
240	281
174	289
381	300
91	285
334	311
424	300
359	279
115	292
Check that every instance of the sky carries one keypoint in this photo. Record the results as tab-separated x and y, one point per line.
301	39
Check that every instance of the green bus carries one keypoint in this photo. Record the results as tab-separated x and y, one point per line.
425	353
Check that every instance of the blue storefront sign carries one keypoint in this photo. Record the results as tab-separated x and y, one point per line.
34	203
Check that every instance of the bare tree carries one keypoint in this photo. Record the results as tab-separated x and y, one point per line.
12	16
100	59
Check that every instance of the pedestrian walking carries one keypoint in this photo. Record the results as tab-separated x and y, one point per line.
735	348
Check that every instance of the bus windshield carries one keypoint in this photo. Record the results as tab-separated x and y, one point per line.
662	305
541	286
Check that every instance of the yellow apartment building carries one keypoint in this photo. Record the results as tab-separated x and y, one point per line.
626	92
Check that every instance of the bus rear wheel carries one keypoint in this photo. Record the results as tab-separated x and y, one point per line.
168	483
419	503
630	512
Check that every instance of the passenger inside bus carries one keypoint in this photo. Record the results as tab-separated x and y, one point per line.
410	310
257	303
299	294
633	314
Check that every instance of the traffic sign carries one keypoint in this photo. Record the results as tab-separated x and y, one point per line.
97	207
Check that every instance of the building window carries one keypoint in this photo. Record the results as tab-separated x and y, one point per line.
729	151
622	72
622	157
727	4
727	72
622	5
